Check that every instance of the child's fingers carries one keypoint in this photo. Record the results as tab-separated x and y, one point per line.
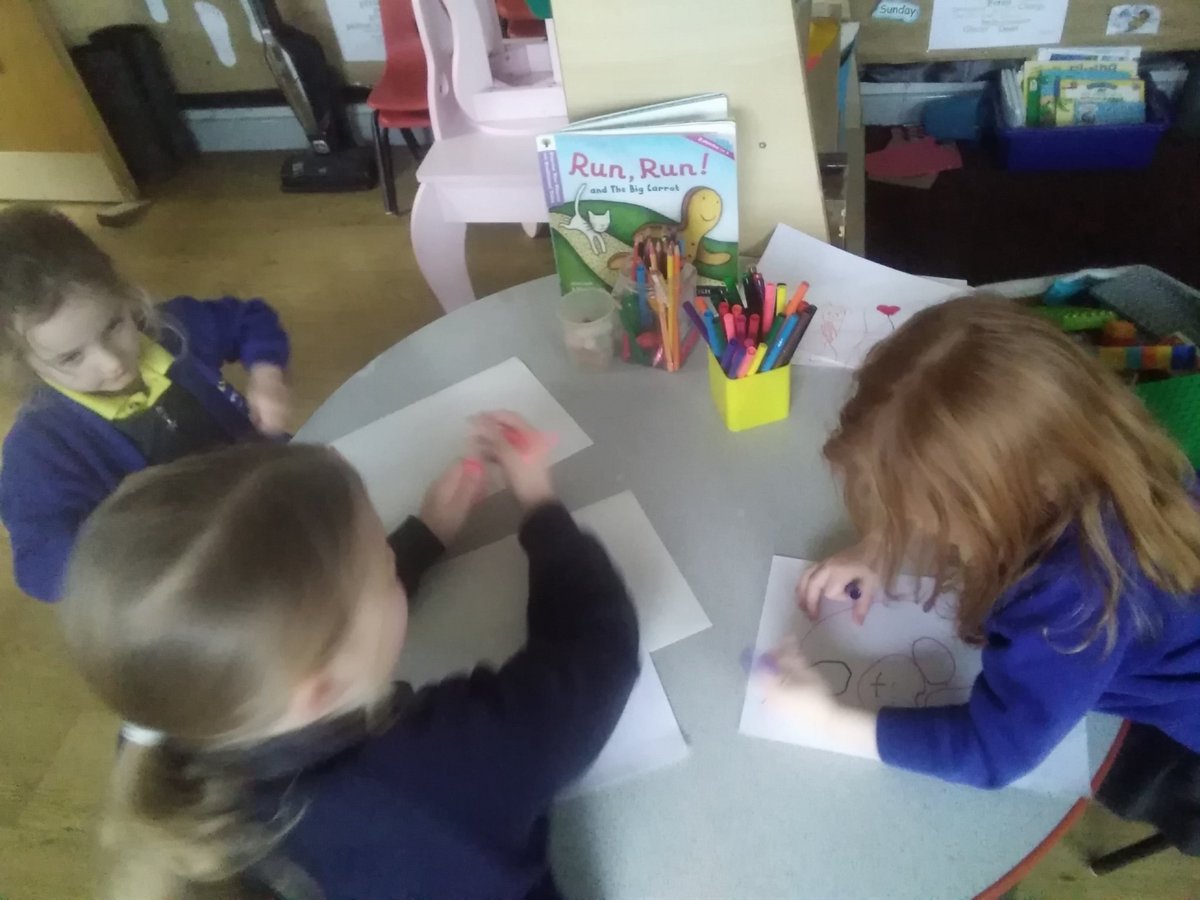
510	418
863	603
818	588
809	599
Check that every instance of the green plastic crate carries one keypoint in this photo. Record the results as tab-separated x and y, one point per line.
1175	403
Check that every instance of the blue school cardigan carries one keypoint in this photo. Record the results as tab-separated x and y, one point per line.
1045	667
61	460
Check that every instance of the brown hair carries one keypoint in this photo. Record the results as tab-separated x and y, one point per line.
46	258
978	432
199	594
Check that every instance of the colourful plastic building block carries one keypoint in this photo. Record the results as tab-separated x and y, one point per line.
1076	318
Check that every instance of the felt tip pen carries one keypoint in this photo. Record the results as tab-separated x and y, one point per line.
768	312
803	320
790	345
747	359
716	336
777	348
722	308
752	327
697	322
797	298
729	329
735	359
756	365
727	355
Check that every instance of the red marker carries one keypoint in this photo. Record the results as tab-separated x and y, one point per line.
516	438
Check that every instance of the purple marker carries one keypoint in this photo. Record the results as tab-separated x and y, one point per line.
727	356
696	321
854	590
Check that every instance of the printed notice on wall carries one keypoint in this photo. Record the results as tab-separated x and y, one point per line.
968	24
358	29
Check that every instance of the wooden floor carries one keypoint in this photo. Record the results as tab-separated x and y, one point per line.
343	277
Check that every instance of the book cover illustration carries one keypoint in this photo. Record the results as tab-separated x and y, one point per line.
1117	102
1041	82
607	192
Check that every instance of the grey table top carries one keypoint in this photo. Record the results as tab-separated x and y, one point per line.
741	817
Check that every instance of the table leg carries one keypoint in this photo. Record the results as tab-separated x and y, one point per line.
440	247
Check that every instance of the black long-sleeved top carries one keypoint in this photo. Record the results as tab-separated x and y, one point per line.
451	799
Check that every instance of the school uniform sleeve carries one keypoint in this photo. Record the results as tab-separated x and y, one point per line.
416	549
230	330
45	496
1039	679
514	737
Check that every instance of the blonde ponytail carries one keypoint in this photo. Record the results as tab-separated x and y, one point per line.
174	828
197	597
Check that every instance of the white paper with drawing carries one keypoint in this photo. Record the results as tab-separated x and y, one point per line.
858	302
472	610
901	656
399	455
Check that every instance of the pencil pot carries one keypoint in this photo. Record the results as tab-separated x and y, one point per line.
653	330
588	317
752	401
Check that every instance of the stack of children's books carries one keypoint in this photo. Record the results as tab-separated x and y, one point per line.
621	184
1068	86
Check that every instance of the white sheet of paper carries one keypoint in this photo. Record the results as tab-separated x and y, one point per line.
489	587
399	455
901	656
358	28
858	302
472	610
966	24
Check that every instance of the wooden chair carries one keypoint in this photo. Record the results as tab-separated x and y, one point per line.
488	99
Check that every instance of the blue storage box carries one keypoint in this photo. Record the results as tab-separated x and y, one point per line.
1083	147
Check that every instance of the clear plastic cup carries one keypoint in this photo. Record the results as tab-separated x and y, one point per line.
588	318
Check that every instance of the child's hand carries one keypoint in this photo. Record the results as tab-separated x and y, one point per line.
269	398
793	689
451	497
522	454
844	576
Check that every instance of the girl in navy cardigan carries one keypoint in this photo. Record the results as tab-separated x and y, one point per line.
243	609
987	448
120	385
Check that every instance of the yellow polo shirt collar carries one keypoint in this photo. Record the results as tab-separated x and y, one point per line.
153	365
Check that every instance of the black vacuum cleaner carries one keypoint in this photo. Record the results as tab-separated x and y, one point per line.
334	160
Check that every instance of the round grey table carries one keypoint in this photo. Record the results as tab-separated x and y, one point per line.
741	817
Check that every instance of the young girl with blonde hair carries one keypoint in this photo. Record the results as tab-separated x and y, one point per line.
982	445
118	383
242	609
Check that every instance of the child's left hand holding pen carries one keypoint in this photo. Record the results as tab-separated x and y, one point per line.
795	690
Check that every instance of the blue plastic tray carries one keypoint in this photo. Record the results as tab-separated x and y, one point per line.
1083	147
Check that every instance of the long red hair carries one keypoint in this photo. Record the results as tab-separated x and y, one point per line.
978	432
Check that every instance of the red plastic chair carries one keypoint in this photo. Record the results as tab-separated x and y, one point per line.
400	99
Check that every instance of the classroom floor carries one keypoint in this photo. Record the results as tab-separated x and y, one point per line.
343	277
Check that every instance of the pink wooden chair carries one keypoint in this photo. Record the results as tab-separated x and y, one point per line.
482	166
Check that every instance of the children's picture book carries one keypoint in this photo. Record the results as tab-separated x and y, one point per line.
661	172
1094	102
1041	82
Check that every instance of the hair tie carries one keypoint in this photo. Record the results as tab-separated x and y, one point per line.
143	737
